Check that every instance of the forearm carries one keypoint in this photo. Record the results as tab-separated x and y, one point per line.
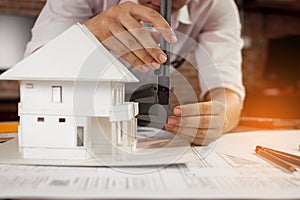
232	103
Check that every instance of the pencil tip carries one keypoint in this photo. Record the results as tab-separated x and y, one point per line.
293	169
258	147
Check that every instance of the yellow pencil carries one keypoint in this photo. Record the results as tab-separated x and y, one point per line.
275	160
280	152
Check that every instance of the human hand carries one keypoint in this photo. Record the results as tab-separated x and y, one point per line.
202	123
199	123
120	31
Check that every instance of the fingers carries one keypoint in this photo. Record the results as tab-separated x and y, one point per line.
195	136
204	108
133	47
128	20
120	49
192	132
199	130
145	39
200	123
151	16
155	35
119	29
204	121
125	45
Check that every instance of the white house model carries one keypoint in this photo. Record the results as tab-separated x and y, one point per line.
72	100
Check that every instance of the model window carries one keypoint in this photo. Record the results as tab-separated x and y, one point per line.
40	119
80	136
56	94
62	120
115	96
29	85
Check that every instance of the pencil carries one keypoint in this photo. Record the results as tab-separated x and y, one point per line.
275	160
289	159
9	127
281	152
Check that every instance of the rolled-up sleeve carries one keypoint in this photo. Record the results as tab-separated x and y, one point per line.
56	17
219	53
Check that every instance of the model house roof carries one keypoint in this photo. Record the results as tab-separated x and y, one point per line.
75	55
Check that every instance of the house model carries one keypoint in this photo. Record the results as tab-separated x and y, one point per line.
72	100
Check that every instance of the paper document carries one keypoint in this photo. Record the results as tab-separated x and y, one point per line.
228	169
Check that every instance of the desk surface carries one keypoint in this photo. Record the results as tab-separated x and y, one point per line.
227	168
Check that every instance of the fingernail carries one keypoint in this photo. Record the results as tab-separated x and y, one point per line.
144	68
155	65
173	38
177	111
162	58
172	120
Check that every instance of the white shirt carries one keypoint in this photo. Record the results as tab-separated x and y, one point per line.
212	26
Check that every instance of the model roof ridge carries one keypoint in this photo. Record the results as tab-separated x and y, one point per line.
74	55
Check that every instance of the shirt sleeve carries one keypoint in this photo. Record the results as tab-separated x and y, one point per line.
219	53
56	17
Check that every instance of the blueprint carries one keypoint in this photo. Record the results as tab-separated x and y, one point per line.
216	172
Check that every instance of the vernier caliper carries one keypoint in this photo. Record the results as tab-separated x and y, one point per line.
153	99
164	71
